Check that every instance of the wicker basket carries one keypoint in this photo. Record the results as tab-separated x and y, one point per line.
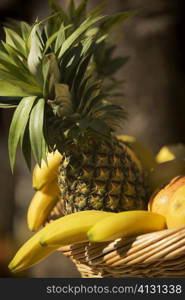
157	254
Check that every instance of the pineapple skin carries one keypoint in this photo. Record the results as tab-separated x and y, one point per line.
101	176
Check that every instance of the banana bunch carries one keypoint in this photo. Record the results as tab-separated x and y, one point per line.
93	226
66	230
90	225
45	182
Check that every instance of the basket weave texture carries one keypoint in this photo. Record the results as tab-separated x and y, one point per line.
157	254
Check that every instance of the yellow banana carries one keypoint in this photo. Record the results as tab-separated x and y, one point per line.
126	224
47	172
29	254
32	251
42	203
73	230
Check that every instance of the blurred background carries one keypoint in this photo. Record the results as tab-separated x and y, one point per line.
155	100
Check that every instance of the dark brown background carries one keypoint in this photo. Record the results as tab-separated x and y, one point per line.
155	99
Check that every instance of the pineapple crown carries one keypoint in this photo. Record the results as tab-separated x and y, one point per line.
58	73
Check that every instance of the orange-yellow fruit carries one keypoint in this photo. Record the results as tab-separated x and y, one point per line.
170	202
159	201
176	212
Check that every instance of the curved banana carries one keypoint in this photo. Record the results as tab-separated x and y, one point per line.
73	230
29	254
126	224
47	172
41	204
65	230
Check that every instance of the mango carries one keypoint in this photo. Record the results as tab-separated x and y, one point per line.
176	213
159	201
170	202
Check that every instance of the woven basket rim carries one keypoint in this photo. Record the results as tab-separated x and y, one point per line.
155	254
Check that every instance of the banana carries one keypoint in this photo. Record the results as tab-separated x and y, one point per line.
41	204
70	229
73	230
29	254
126	224
47	172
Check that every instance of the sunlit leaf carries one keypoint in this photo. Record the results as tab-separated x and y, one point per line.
35	53
77	33
25	29
14	56
15	40
50	41
60	37
36	130
26	146
18	125
8	89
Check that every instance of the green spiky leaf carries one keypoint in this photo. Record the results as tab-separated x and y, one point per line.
57	8
26	146
36	125
100	126
115	20
15	40
8	89
13	56
11	72
77	33
80	74
61	37
36	50
18	125
25	30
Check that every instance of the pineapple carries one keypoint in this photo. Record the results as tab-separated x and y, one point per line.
51	73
